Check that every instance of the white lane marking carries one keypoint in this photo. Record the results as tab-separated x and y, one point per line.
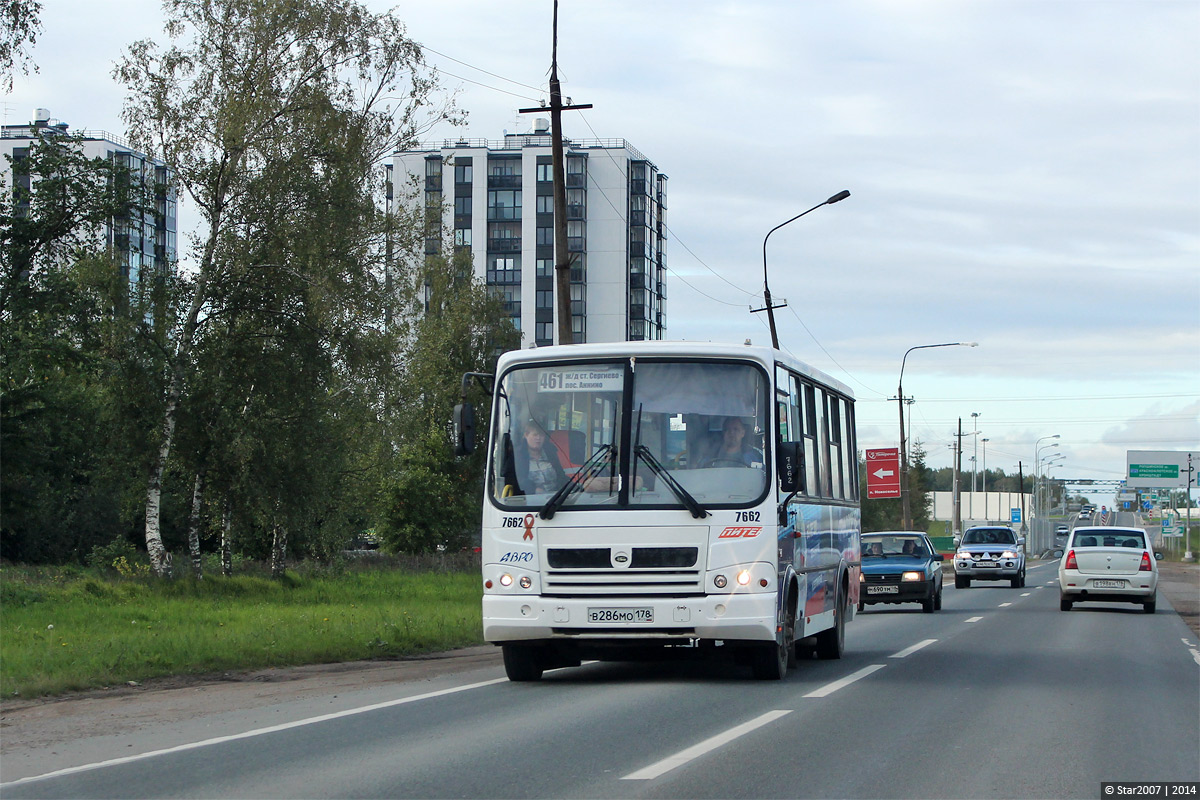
974	619
908	651
1005	605
350	712
708	745
1192	649
830	688
1025	594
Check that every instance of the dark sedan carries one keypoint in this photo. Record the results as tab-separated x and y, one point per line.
900	567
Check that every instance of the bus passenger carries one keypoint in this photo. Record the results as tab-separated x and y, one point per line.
535	468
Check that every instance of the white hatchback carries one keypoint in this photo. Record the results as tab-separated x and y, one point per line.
1108	565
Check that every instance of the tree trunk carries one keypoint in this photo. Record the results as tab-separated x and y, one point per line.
278	550
194	526
160	560
226	535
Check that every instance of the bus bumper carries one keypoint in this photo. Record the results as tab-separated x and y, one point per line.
513	618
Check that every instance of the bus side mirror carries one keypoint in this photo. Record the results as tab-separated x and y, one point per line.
791	467
464	429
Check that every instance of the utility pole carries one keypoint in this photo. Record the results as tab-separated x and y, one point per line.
562	257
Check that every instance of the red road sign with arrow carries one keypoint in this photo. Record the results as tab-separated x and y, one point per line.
883	473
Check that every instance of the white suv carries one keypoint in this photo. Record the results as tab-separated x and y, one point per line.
989	553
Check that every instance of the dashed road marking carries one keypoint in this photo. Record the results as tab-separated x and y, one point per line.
908	651
707	746
1005	605
830	688
974	619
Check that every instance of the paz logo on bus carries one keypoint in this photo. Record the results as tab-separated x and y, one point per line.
740	532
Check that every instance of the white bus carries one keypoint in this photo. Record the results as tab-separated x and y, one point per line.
645	495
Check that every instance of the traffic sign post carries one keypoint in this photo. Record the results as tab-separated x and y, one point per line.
883	473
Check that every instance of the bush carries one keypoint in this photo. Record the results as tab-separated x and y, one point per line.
118	556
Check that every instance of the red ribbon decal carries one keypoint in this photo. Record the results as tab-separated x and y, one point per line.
528	528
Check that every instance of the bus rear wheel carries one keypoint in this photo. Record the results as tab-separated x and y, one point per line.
523	662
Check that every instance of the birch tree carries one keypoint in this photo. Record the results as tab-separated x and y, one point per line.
224	105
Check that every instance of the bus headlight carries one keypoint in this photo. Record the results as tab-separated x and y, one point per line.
720	581
743	577
506	580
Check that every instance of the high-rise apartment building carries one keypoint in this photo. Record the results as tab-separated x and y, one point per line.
497	199
142	240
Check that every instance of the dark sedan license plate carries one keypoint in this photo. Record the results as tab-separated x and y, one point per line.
883	590
620	615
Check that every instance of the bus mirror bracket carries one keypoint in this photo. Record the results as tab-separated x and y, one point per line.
791	467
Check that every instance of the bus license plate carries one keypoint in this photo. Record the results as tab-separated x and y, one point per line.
883	590
1108	584
620	615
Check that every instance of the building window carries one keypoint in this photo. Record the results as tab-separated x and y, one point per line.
544	333
545	204
462	173
462	205
545	172
545	299
503	271
545	267
504	205
545	236
462	237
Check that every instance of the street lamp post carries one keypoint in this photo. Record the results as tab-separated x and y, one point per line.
985	497
1036	456
905	499
974	459
837	198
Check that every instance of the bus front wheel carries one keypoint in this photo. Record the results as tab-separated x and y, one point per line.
832	643
523	662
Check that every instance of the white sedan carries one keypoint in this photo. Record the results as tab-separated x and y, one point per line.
1108	565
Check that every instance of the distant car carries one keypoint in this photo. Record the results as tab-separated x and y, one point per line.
1085	514
1108	565
989	553
900	567
1062	530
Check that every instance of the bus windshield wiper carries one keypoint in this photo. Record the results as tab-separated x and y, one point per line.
698	511
577	481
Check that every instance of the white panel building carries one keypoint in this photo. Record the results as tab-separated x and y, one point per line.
144	241
497	198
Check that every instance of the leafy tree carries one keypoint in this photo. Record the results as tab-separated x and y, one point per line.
20	25
74	355
455	325
258	93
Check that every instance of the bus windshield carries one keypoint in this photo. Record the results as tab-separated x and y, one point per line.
696	434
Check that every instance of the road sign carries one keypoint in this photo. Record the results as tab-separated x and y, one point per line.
883	473
1160	469
1155	471
1015	515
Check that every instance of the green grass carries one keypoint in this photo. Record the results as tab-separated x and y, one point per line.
66	630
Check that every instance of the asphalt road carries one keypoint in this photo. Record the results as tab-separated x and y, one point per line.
998	695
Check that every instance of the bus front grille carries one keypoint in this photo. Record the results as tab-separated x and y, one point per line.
611	582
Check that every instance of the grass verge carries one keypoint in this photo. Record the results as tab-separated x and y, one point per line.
66	631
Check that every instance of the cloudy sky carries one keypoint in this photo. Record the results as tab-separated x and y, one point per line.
1022	174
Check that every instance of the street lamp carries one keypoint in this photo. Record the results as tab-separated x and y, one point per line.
1045	492
1036	454
837	198
985	497
905	500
